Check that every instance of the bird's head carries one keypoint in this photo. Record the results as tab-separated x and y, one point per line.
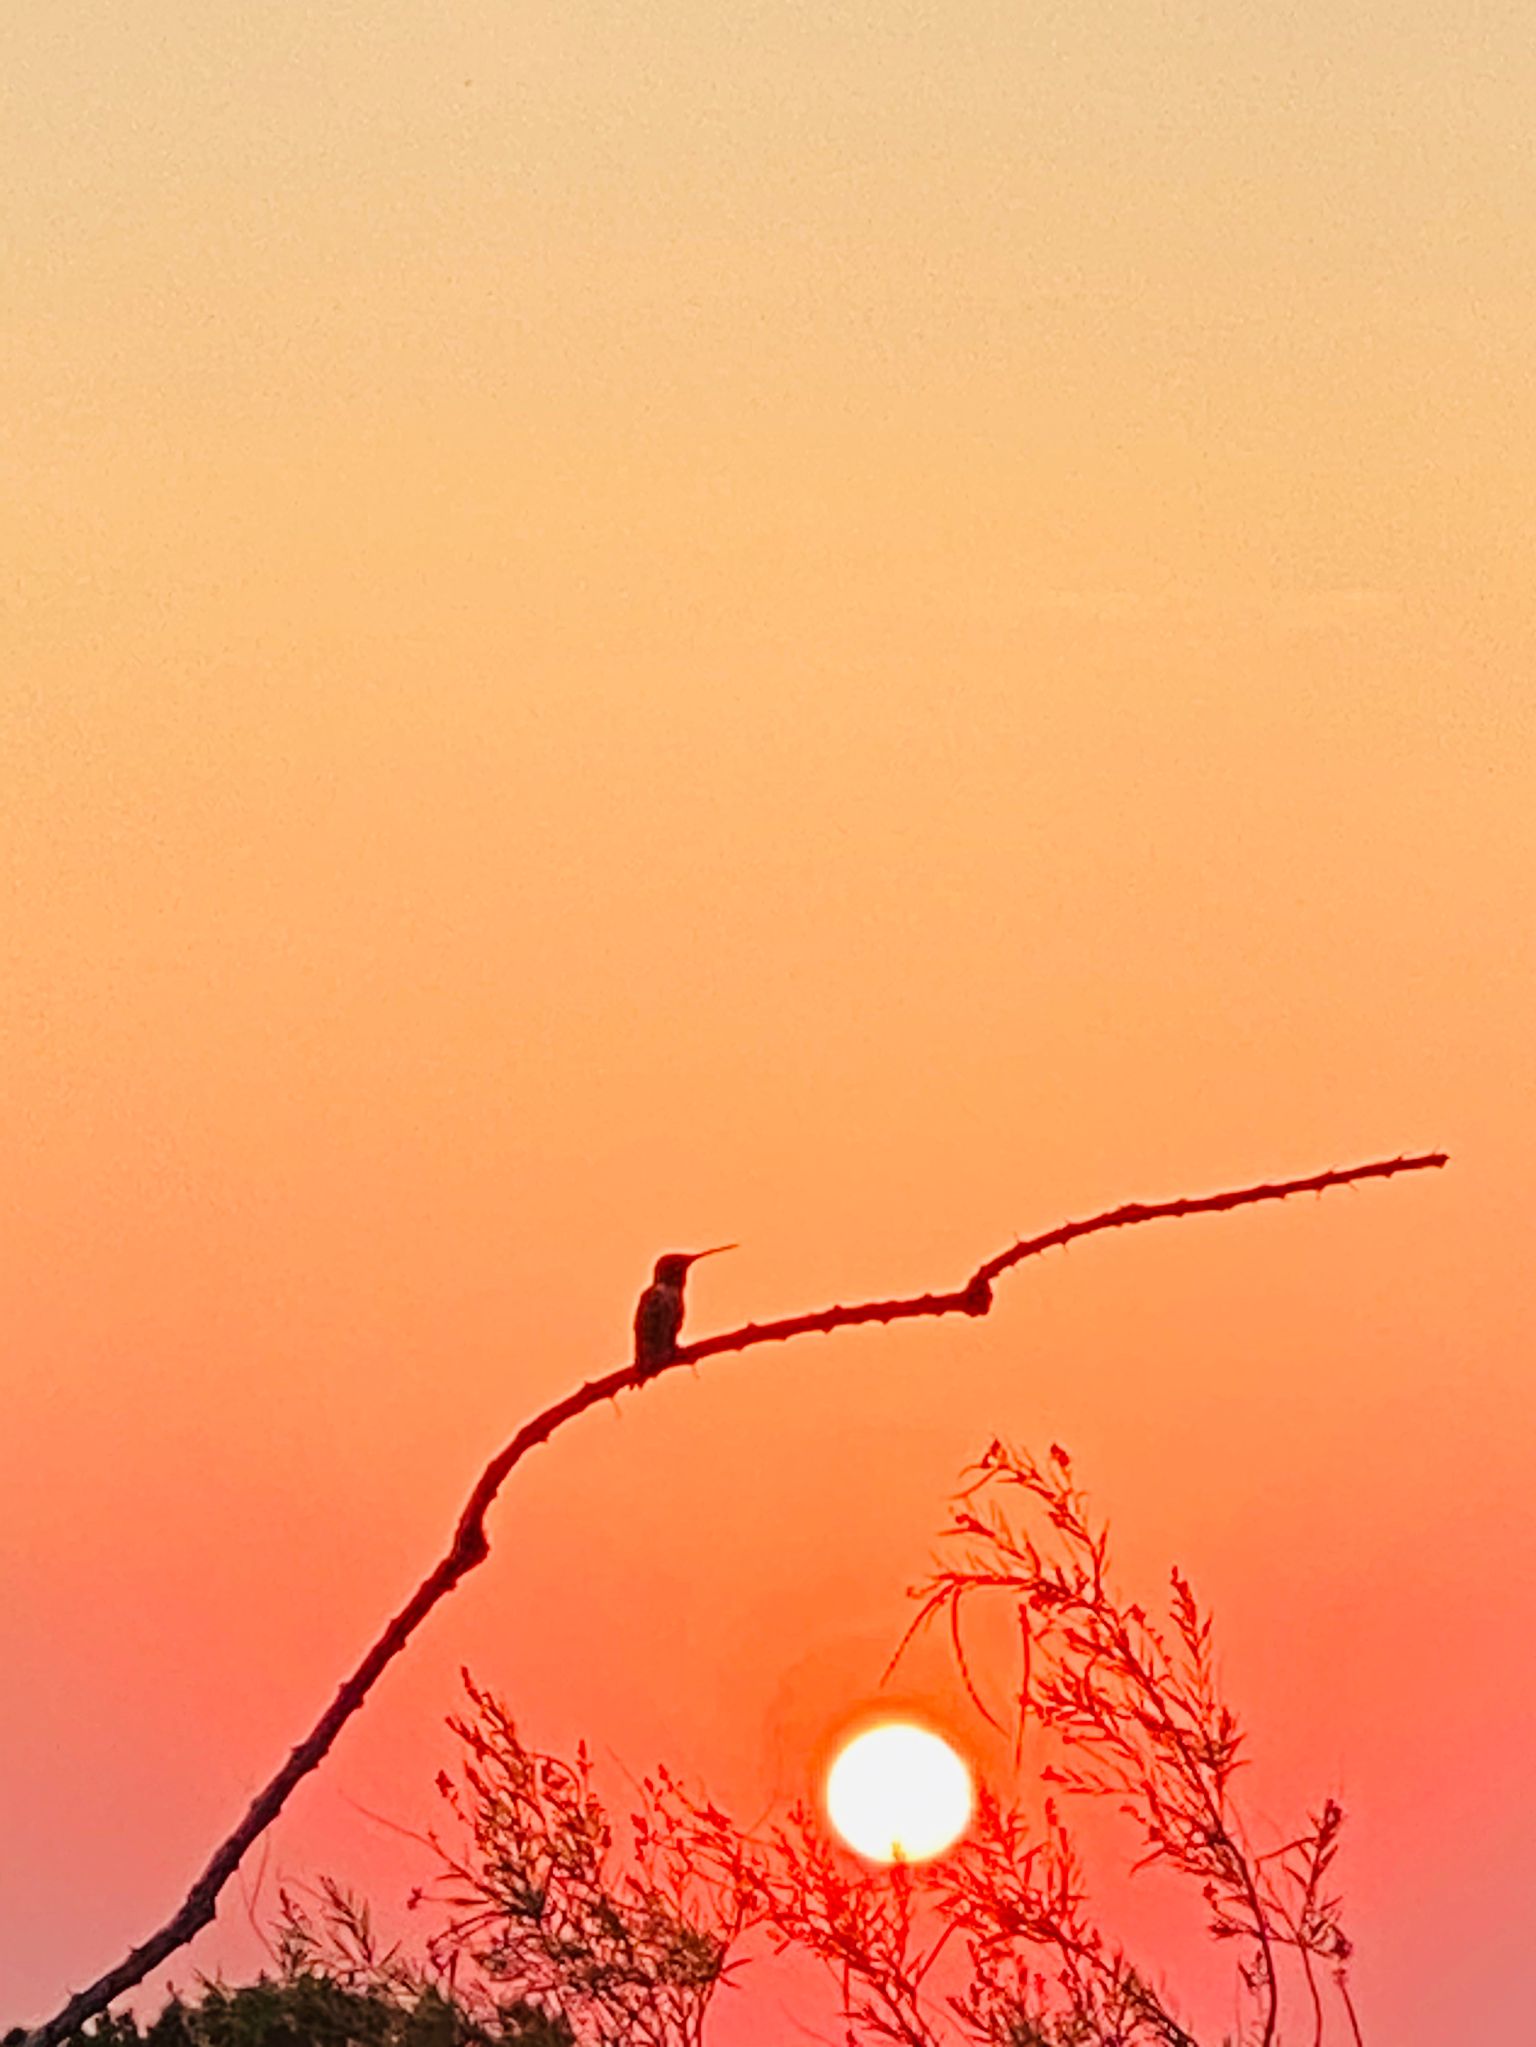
672	1266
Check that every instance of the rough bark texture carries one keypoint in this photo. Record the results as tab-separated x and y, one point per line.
471	1546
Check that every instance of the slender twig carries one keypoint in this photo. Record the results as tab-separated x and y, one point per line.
471	1545
1342	1982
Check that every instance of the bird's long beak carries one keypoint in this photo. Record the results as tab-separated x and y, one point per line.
713	1252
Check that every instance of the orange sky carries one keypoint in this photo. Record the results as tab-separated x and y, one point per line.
857	629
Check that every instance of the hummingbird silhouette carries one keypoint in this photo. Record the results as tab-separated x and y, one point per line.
659	1311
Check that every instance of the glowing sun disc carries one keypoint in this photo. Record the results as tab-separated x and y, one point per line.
897	1793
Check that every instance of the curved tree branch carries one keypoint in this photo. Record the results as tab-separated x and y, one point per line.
471	1546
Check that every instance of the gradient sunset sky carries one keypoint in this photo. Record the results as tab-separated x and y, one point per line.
855	627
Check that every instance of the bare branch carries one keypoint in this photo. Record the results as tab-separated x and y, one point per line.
471	1546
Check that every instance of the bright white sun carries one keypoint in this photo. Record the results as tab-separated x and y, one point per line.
897	1793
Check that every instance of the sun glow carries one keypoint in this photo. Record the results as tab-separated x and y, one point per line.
898	1793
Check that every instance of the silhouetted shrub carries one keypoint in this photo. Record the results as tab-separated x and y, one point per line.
552	1930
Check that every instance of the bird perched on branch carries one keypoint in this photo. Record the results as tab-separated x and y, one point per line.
659	1313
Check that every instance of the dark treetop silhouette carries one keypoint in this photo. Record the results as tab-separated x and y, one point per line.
471	1546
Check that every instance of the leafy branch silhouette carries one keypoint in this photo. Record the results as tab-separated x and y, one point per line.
1138	1717
470	1545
